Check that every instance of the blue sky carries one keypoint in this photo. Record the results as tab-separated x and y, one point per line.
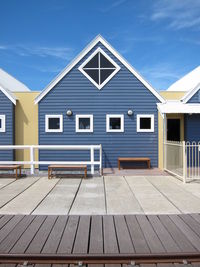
160	38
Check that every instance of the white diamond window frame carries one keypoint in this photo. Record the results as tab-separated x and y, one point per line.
116	68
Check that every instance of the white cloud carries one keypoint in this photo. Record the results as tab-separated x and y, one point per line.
60	52
181	14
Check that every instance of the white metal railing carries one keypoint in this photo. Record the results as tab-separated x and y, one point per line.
32	148
193	160
182	159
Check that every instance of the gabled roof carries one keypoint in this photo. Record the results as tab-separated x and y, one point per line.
98	39
9	95
10	83
190	94
187	82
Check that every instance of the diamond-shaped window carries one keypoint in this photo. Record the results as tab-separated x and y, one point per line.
99	68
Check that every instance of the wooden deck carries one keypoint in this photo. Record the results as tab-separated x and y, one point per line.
102	235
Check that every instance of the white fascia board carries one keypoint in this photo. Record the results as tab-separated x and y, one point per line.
9	95
98	39
179	107
190	94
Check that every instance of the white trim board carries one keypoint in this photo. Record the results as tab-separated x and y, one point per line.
3	123
8	94
50	116
139	116
79	116
96	40
190	94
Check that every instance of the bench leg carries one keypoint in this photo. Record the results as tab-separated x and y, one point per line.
149	164
85	172
49	173
16	173
20	171
118	165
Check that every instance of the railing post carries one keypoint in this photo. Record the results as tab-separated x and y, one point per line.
32	159
184	162
92	159
100	159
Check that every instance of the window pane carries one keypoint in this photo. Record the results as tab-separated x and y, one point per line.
115	123
94	74
105	74
93	63
84	123
105	63
54	123
145	123
0	123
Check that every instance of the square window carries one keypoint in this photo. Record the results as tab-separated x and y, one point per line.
2	123
115	123
84	123
54	123
145	123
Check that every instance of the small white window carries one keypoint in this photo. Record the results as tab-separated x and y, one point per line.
53	123
145	123
2	123
114	123
84	123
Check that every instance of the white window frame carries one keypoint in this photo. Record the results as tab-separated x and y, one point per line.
49	116
108	117
3	123
117	68
139	116
85	116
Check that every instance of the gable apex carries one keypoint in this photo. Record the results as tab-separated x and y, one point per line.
92	44
190	94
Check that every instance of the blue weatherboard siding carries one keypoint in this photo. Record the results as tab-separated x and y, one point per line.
123	92
192	127
7	138
195	98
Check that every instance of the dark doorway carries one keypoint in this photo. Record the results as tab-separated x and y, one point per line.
173	130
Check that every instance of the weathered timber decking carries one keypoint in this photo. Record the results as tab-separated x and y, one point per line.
100	235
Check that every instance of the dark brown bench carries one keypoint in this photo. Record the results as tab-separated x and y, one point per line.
147	160
12	167
52	168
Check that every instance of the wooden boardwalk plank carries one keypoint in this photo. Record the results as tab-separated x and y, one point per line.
15	234
67	240
187	231
82	236
151	237
110	238
136	234
4	220
23	243
123	236
182	241
191	222
168	242
40	238
96	238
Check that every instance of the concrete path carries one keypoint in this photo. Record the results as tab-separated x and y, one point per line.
25	203
60	199
12	190
119	197
151	200
90	198
103	195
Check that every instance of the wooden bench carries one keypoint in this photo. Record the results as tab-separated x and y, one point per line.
12	167
134	160
52	168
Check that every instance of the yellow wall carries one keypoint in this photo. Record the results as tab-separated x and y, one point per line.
172	95
168	96
26	123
